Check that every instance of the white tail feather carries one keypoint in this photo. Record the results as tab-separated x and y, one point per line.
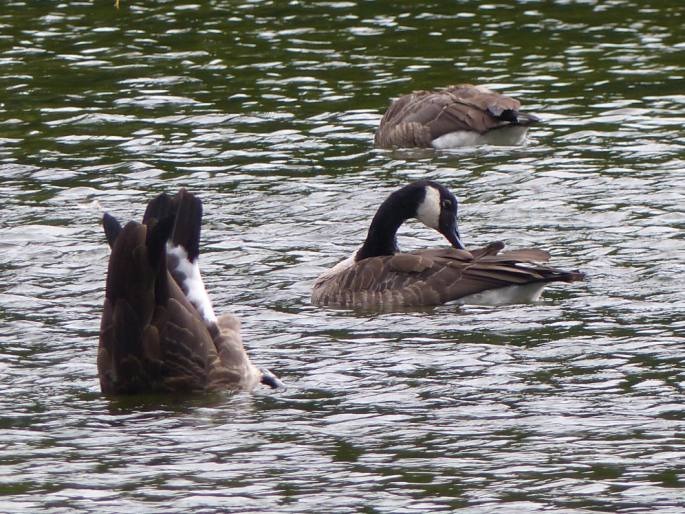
187	273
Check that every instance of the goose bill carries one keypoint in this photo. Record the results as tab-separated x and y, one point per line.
455	239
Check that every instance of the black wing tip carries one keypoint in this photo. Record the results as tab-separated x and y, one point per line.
559	275
512	116
157	236
112	228
526	119
576	276
188	224
271	380
159	207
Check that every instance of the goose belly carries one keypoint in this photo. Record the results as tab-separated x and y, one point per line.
526	293
507	136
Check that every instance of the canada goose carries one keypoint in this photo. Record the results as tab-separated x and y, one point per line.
462	115
158	331
380	277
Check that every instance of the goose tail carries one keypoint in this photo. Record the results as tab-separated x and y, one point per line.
112	229
184	250
158	208
512	115
571	276
526	119
186	233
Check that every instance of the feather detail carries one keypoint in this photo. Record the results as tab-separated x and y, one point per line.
158	332
446	117
432	277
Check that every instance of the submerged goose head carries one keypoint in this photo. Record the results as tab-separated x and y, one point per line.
456	116
158	331
429	202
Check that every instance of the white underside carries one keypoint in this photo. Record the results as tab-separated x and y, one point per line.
197	294
527	293
509	136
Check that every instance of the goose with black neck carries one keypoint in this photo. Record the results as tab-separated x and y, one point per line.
378	276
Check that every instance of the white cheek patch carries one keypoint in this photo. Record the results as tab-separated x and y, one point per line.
429	210
187	274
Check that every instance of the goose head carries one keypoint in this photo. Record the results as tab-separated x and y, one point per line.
430	202
439	210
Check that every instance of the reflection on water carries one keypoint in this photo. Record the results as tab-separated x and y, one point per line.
267	111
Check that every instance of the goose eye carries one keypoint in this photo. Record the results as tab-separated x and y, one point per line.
447	204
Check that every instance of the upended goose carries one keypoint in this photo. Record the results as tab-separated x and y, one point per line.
380	277
158	331
462	115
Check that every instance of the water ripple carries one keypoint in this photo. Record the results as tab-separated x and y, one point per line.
267	111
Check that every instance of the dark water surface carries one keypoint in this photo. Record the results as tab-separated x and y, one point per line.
267	111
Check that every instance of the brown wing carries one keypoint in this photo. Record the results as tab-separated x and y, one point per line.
415	120
430	277
484	100
151	338
388	282
231	367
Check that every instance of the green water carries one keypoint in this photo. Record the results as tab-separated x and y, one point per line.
267	110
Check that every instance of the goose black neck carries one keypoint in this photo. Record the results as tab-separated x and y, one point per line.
395	210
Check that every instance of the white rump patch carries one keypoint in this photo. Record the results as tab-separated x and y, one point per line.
429	210
506	136
197	294
527	293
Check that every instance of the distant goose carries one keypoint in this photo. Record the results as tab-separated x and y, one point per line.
380	277
159	332
462	115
